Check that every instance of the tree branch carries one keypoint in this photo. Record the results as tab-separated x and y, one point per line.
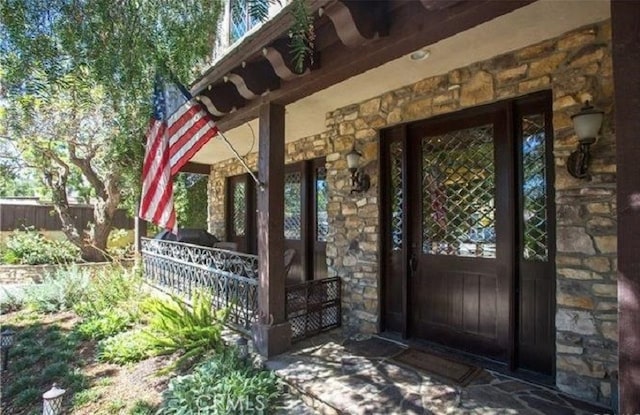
84	164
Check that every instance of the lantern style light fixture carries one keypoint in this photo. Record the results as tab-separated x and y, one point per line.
586	124
360	181
52	401
6	342
243	348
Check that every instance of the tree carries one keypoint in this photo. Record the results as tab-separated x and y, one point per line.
75	82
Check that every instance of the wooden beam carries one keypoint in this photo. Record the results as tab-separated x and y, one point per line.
411	28
272	332
254	79
438	4
358	21
279	55
196	168
625	25
251	46
224	97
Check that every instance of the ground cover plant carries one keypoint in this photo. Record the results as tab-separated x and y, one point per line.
223	384
99	337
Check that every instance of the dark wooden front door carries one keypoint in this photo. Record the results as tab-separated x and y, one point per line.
467	232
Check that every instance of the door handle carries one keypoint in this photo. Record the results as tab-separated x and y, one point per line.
413	263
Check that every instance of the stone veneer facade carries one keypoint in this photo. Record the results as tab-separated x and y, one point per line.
575	66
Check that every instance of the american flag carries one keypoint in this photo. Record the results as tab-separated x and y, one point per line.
178	128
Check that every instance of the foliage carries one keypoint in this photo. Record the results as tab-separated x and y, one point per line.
190	198
302	35
110	288
11	300
222	385
175	326
123	348
32	248
142	408
75	80
106	324
58	291
42	354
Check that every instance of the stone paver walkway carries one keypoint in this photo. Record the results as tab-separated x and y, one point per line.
334	375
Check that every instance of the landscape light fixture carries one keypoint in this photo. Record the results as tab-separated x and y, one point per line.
243	348
360	181
586	124
6	342
52	401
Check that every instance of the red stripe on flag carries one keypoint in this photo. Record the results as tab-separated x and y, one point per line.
187	135
156	175
193	150
184	118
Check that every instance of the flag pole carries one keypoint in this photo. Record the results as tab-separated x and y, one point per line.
244	164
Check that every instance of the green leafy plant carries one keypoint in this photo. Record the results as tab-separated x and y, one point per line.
58	291
124	348
221	385
175	326
142	408
113	287
105	324
31	248
11	300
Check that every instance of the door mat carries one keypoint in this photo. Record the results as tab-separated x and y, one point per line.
458	373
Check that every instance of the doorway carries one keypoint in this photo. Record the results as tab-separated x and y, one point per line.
468	232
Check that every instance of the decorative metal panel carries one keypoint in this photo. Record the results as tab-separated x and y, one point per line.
397	197
534	188
313	307
458	192
230	277
322	218
239	208
292	205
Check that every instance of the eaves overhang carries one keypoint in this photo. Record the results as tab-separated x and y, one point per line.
351	37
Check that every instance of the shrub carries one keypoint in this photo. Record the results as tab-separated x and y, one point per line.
111	287
11	300
58	291
32	248
123	348
175	326
222	385
105	324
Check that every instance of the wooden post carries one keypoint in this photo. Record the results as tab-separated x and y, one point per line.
272	332
140	231
625	24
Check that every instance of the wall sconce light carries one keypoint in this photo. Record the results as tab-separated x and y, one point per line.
586	124
360	181
52	401
6	342
243	348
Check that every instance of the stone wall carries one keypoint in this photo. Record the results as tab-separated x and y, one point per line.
575	67
29	274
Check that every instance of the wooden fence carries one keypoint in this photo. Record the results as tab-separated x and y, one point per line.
44	217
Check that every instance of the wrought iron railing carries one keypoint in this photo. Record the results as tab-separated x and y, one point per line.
230	277
313	307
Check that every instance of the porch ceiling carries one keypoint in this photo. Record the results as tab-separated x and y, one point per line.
527	25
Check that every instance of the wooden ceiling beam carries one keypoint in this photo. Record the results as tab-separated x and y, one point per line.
281	58
357	21
254	79
221	99
411	28
196	168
